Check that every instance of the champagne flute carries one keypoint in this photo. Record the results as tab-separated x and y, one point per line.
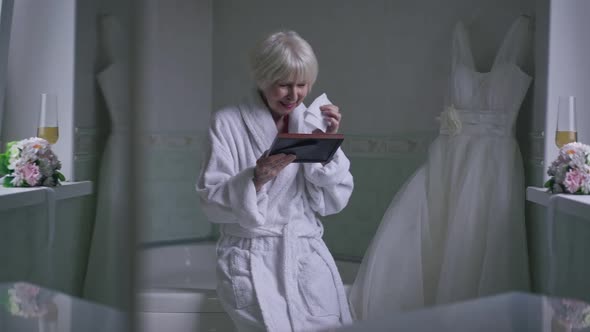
565	131
48	127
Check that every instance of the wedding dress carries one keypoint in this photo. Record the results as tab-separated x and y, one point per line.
456	229
107	278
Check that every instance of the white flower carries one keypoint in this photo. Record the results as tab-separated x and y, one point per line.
14	157
560	173
18	179
577	153
451	120
585	187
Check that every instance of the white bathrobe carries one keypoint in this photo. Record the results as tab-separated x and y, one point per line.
274	271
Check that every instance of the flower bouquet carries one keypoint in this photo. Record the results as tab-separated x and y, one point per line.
26	300
29	163
570	172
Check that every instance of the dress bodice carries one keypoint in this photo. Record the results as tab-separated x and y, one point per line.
487	99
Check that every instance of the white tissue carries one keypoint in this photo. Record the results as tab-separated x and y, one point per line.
313	116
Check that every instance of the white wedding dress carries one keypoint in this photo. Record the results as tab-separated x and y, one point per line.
456	229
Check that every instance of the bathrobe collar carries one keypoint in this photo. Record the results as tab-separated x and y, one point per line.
263	130
260	123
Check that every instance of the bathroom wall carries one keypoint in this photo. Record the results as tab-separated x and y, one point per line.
381	61
568	67
5	27
172	106
41	59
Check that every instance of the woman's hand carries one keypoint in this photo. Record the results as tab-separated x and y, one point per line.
267	168
332	115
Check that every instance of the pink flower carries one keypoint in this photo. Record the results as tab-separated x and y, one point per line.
26	291
574	179
31	174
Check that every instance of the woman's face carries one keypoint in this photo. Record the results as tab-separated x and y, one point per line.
282	97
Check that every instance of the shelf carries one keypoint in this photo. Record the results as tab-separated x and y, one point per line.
11	198
577	205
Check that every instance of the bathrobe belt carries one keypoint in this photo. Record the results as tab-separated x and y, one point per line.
289	279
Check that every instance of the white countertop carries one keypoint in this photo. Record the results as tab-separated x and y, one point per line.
577	205
11	198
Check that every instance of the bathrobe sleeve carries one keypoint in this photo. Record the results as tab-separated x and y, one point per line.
329	186
227	193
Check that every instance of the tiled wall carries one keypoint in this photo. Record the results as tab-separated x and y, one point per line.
380	166
170	205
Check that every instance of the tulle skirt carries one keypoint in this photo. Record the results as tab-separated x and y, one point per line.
454	231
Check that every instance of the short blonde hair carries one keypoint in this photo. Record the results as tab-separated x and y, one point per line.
281	56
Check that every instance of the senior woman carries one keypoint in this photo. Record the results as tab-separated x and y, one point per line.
274	271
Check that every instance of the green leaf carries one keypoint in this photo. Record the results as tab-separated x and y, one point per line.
549	184
4	165
7	180
60	176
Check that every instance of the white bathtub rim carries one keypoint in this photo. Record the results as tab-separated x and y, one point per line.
178	300
190	288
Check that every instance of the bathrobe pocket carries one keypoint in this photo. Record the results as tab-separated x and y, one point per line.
316	285
241	278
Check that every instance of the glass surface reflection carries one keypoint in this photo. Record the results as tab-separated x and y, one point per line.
28	307
569	315
514	312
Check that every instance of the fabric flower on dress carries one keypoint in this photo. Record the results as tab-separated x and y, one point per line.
450	120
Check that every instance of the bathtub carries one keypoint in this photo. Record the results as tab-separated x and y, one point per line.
177	289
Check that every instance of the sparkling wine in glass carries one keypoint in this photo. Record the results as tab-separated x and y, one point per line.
566	121
48	127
